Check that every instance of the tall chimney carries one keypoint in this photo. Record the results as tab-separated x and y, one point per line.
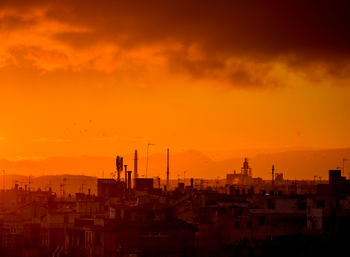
135	165
126	176
117	161
273	175
167	169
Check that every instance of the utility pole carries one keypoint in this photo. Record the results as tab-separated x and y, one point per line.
82	188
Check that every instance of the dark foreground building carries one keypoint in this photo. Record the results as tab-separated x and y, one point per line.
150	238
284	218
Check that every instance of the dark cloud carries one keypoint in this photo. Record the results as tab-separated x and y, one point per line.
13	23
297	33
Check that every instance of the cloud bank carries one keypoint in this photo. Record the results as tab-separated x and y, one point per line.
238	43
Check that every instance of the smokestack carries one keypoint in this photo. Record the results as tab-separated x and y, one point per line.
273	175
117	163
167	169
191	183
129	180
135	165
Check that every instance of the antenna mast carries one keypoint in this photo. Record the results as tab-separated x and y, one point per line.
135	165
167	169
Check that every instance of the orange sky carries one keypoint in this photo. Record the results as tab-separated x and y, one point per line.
105	77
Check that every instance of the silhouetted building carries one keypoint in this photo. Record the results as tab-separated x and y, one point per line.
107	188
337	186
150	238
243	178
144	184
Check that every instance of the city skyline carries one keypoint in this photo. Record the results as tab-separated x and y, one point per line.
174	128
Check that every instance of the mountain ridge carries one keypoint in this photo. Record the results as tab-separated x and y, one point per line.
303	164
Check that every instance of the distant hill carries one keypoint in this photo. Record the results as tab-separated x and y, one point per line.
303	164
294	164
72	183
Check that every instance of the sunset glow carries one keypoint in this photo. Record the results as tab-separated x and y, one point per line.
174	128
219	77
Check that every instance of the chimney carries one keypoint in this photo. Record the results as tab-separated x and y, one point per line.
191	183
167	169
273	175
126	176
121	164
117	161
135	165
